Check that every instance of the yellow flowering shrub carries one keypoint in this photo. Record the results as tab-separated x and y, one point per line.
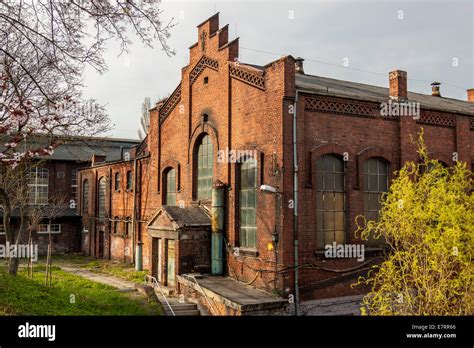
427	219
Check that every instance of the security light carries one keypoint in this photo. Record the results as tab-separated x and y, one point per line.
268	189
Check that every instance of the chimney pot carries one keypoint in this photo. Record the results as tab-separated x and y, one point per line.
470	95
398	85
299	65
435	89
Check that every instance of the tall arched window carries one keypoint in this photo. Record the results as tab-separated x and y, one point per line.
170	187
204	154
116	225
38	181
330	201
101	199
129	181
248	203
375	185
117	181
85	196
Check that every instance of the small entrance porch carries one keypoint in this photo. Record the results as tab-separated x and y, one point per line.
180	243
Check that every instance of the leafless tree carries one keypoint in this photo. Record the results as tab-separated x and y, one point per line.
45	46
56	205
14	202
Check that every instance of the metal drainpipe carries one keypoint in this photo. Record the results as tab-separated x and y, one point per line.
295	197
134	188
295	210
217	227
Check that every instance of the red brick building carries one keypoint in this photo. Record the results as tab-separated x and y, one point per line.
55	183
327	146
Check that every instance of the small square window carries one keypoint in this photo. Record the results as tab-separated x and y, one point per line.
206	80
60	175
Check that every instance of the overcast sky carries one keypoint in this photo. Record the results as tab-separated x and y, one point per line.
431	40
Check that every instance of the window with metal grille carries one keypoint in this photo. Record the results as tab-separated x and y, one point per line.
330	201
38	186
375	185
101	198
85	196
170	187
204	154
248	203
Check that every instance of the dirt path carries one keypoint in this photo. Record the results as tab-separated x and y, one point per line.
120	284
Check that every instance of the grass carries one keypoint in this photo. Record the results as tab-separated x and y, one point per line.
23	296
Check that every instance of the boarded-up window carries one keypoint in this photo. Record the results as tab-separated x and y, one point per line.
330	201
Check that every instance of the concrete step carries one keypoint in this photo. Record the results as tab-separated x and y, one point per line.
184	307
188	313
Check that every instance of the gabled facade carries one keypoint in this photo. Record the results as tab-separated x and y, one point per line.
322	147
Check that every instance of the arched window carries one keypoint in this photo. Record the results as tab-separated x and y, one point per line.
85	196
117	181
170	187
101	199
248	203
204	154
38	186
330	201
129	180
116	225
375	185
128	227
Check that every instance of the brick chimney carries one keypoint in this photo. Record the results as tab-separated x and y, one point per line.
96	159
470	95
398	85
299	65
435	89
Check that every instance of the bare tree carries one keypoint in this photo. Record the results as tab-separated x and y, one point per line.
56	206
14	200
45	46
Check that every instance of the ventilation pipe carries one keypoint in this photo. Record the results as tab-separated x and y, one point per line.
217	228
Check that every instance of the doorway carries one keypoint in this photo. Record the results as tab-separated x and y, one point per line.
170	269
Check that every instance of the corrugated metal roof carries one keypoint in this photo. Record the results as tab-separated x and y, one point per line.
354	90
82	149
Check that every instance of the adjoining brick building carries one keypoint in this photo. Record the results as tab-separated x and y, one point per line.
54	182
323	147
